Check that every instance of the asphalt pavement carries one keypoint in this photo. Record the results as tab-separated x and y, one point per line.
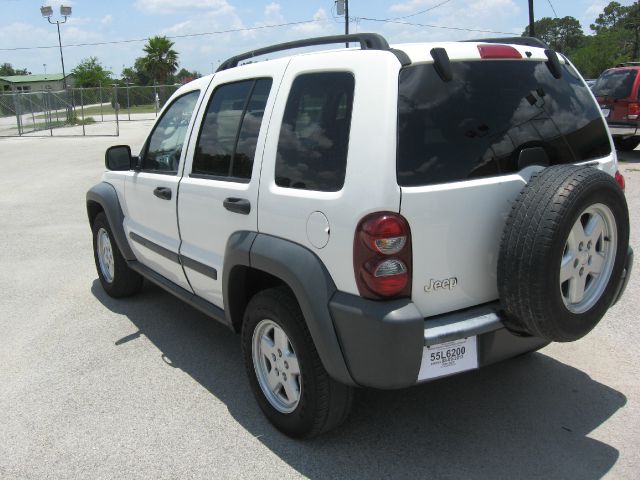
147	387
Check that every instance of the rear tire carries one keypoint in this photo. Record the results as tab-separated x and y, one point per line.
117	279
562	253
626	144
308	401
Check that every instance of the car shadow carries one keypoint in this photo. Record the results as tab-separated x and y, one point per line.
527	417
629	157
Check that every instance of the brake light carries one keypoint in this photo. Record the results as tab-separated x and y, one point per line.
382	256
633	110
498	51
620	180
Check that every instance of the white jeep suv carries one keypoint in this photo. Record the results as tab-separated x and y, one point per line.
373	216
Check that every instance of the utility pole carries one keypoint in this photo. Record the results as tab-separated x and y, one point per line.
342	8
532	30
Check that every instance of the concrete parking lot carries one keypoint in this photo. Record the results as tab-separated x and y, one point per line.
147	387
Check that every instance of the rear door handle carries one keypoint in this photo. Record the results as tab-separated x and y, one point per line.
237	205
162	192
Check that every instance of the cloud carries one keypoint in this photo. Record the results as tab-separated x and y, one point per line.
106	20
160	7
320	18
412	5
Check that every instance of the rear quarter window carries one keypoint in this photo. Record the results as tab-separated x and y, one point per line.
314	137
493	118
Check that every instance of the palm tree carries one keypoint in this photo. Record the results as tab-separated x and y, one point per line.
161	60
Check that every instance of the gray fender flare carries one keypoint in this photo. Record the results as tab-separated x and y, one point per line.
305	274
105	195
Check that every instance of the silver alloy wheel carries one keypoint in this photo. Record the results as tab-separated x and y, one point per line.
105	255
588	258
276	366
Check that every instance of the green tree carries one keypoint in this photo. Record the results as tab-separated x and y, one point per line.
611	17
90	73
6	70
561	34
161	60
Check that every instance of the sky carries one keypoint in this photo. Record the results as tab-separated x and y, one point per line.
251	24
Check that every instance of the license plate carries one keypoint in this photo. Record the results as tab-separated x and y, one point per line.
605	112
449	358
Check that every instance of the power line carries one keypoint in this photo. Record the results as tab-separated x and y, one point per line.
554	10
186	35
420	12
433	26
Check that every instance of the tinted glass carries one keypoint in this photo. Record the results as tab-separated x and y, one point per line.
493	118
314	138
229	133
166	141
615	83
248	138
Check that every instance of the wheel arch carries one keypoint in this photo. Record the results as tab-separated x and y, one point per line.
256	261
104	198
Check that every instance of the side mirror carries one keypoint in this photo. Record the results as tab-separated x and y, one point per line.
118	158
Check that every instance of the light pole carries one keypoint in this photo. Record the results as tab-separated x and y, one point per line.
45	68
47	12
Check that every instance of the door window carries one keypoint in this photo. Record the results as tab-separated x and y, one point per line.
229	134
164	147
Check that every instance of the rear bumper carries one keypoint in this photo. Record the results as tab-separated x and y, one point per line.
623	130
383	342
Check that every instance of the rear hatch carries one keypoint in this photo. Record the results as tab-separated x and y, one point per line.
617	94
466	147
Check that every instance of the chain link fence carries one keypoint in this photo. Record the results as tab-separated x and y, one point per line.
80	111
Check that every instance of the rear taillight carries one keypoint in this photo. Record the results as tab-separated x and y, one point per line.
633	110
620	180
498	51
382	256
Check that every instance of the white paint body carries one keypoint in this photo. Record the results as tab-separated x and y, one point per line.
456	227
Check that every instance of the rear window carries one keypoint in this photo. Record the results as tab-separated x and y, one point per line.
615	83
493	118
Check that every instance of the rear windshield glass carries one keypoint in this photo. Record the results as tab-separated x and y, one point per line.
615	84
493	118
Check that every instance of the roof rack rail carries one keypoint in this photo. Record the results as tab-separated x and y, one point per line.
368	41
526	41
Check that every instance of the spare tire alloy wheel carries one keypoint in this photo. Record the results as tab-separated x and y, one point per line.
276	366
562	253
588	258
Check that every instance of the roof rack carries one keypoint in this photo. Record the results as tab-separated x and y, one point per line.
526	41
368	41
628	64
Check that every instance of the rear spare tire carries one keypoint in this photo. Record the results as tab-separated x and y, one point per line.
562	252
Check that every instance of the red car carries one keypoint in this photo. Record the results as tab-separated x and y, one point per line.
618	93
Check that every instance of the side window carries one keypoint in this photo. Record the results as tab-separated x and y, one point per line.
314	138
229	133
165	144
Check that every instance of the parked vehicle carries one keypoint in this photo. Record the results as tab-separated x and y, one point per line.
377	217
618	93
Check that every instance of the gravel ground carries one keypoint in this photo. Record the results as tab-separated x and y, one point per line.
147	387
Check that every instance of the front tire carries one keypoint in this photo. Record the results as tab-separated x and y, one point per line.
286	374
117	279
626	144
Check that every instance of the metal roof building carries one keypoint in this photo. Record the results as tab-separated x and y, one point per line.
33	83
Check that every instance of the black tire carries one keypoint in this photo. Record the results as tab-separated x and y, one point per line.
324	403
125	282
626	144
532	248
